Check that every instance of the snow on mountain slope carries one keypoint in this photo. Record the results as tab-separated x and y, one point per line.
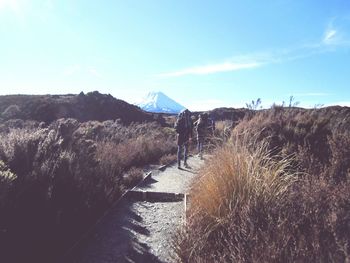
160	103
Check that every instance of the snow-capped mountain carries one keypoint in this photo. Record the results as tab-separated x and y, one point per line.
160	103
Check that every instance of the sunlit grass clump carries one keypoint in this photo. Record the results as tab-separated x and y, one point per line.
241	173
240	178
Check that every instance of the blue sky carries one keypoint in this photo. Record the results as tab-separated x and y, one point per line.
203	54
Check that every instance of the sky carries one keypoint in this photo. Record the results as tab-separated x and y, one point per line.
203	54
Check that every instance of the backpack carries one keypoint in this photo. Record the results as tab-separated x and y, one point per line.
183	122
202	125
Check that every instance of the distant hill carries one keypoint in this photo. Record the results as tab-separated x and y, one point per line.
83	107
158	102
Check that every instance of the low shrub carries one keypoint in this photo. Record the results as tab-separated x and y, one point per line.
65	176
313	136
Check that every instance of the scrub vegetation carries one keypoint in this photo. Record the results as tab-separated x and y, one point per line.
277	191
57	179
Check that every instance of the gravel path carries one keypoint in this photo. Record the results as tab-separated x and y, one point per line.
140	231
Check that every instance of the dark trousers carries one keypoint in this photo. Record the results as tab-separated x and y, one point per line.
179	150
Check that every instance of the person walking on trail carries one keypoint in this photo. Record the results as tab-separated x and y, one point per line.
201	127
211	123
183	127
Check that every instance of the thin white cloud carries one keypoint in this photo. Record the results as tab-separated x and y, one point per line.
329	36
337	32
213	68
246	61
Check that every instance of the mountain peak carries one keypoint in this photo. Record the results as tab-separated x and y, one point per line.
157	101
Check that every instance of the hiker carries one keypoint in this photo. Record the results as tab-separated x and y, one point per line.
201	127
183	127
211	123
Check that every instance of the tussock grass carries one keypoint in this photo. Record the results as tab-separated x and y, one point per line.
241	176
223	128
241	172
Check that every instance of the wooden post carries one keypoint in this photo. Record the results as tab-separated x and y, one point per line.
185	208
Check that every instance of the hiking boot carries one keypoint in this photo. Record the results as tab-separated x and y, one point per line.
186	165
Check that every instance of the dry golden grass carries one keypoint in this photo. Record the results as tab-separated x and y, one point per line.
239	177
223	129
240	172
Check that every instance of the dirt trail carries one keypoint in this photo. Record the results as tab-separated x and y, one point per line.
140	231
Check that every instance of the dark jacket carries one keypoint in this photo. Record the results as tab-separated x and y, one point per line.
183	127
